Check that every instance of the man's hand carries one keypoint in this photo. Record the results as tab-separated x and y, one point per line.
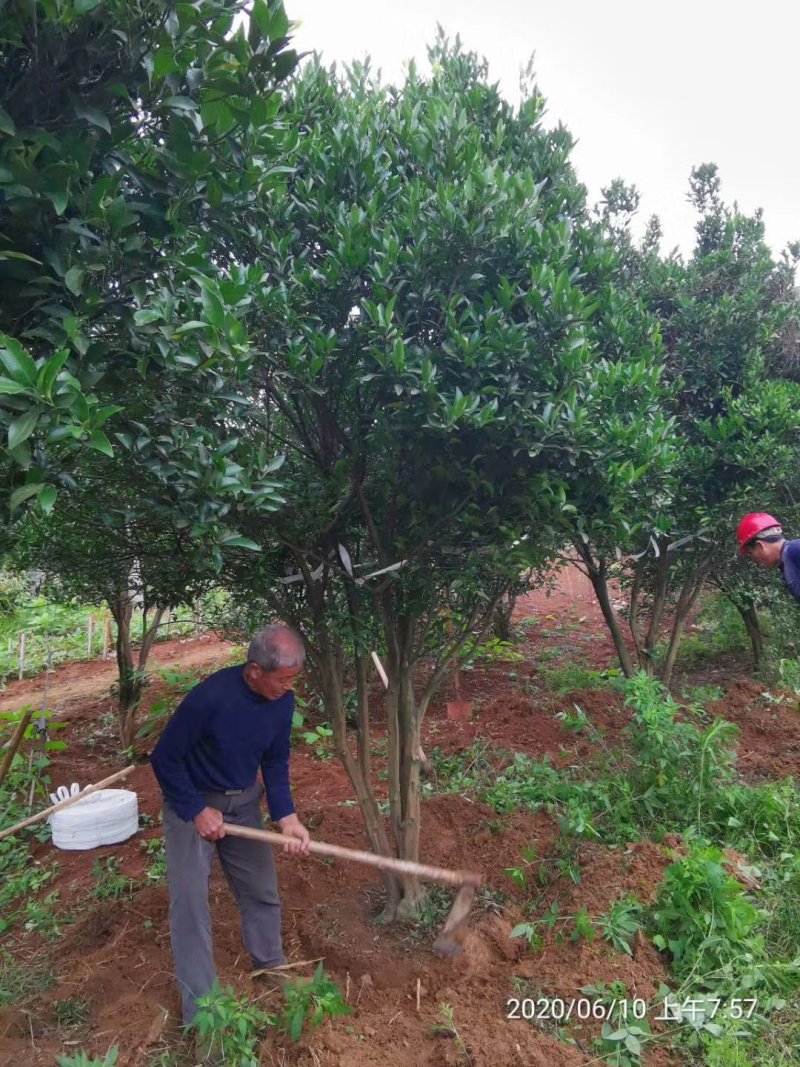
298	836
209	824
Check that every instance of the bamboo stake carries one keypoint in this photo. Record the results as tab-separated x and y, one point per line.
89	636
21	654
66	803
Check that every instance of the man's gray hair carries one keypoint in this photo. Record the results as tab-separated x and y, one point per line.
276	646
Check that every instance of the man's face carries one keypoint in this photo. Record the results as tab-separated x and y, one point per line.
767	553
271	684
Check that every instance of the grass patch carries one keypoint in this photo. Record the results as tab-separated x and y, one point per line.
572	677
24	981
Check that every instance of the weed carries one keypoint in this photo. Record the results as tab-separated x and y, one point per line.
311	1002
473	769
230	1027
321	740
448	1028
494	650
789	674
39	916
71	1013
572	677
177	683
621	923
82	1059
20	879
22	982
110	883
702	694
154	850
703	918
669	774
434	907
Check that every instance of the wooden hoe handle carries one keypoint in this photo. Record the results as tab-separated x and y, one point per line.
66	803
386	863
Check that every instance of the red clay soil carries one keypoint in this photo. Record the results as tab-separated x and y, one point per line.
116	957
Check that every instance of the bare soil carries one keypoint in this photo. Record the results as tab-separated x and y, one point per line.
115	955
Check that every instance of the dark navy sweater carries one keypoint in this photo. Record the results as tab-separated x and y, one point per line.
790	567
219	736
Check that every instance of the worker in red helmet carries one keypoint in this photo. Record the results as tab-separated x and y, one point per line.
760	537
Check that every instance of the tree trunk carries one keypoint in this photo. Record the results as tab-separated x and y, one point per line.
642	658
131	673
410	814
752	624
659	601
501	619
690	590
597	574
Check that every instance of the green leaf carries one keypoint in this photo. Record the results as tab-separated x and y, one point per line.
145	315
25	492
241	542
7	123
73	280
17	361
8	387
21	428
100	443
193	324
180	103
93	116
59	199
20	255
50	371
47	498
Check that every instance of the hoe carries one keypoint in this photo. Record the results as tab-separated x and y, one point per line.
450	940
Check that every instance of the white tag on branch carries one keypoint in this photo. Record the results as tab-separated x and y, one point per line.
380	670
347	563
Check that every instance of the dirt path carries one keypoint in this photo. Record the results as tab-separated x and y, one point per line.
86	681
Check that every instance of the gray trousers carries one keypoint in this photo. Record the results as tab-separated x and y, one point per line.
249	867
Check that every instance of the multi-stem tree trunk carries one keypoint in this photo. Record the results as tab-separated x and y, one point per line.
690	590
597	573
130	666
328	655
596	569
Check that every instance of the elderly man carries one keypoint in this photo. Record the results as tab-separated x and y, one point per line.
207	760
760	537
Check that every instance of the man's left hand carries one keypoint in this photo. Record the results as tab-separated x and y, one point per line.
297	835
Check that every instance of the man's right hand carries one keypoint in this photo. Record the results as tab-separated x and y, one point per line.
209	824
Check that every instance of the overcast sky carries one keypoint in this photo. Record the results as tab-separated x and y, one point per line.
649	88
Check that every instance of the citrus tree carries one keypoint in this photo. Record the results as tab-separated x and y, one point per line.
132	139
727	317
437	339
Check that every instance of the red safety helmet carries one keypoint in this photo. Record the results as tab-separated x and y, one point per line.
752	525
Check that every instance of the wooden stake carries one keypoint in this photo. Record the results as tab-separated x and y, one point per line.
14	743
21	654
89	636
